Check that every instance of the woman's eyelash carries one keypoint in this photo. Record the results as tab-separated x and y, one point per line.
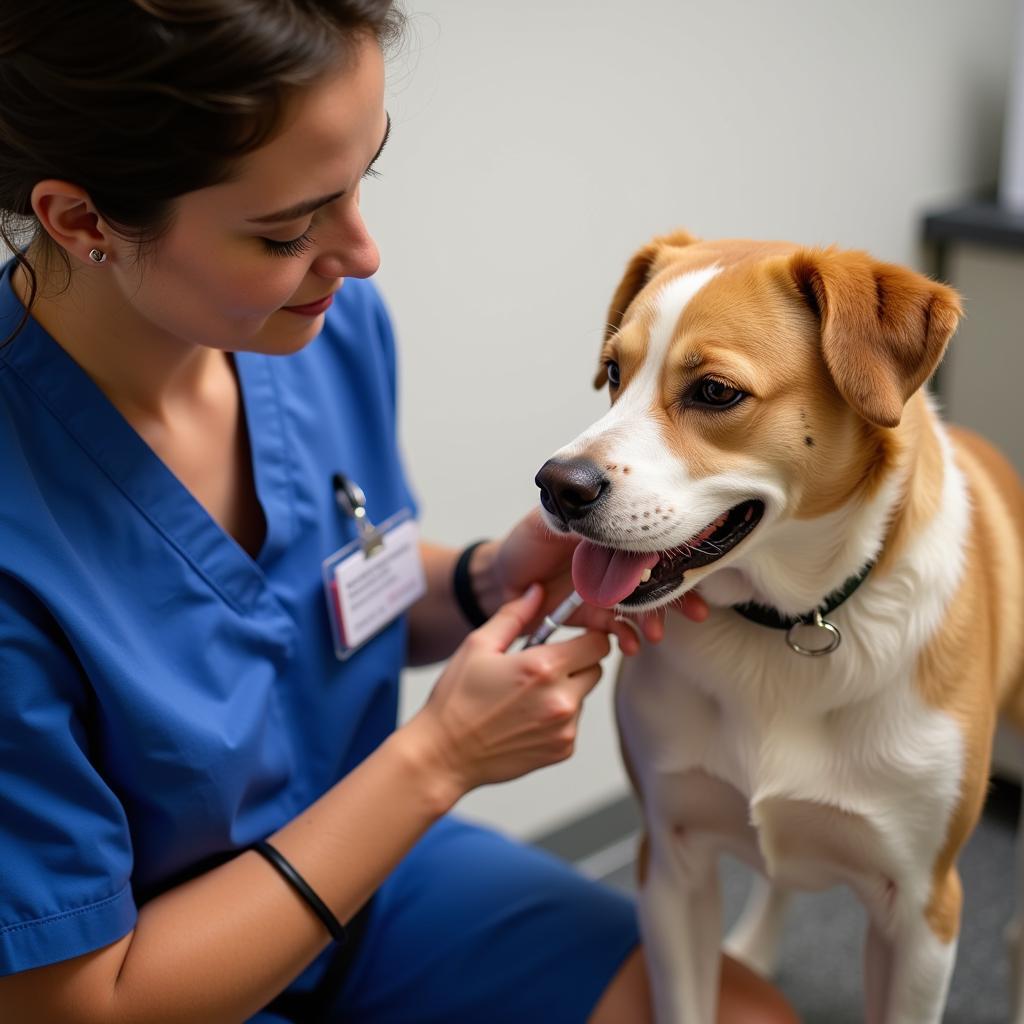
294	247
297	246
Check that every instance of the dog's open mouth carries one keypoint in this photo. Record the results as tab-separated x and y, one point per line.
606	577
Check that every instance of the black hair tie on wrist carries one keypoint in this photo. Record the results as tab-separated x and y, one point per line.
303	888
464	592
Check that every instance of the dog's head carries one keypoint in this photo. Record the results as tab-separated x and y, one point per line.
751	383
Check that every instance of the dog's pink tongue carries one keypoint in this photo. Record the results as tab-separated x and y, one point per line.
603	577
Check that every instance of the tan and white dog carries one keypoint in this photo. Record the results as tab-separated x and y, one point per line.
768	441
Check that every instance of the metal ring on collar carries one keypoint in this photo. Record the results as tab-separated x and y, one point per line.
815	622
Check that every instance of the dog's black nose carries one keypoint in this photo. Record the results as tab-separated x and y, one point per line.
570	488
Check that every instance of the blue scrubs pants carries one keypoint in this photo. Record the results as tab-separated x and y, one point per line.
473	928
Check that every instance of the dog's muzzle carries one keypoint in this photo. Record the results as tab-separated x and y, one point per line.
571	488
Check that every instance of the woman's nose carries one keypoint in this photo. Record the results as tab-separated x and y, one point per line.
348	249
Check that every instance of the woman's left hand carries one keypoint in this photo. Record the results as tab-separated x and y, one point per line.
532	552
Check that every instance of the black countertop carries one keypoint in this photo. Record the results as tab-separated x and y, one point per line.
985	223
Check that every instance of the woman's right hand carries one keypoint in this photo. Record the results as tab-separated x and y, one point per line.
493	715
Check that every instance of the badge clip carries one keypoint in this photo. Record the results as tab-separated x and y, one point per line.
352	501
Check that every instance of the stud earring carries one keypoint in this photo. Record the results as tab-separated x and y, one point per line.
97	256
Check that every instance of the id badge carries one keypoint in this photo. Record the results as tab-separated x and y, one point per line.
369	587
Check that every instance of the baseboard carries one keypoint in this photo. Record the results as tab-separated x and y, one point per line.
599	842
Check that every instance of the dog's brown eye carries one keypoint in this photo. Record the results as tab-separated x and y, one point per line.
612	369
716	393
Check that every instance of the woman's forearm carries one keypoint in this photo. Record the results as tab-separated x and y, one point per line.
221	946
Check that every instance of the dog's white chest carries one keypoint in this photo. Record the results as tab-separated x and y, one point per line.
799	767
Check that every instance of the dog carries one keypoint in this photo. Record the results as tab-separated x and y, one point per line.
770	442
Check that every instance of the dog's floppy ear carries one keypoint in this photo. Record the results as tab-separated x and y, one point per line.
641	268
884	328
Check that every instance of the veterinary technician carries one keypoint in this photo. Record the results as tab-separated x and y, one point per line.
206	810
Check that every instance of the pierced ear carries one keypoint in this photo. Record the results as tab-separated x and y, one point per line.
67	214
640	269
884	328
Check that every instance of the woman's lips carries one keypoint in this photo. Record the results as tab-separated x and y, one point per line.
312	308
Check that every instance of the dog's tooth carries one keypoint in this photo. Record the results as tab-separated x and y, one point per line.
646	576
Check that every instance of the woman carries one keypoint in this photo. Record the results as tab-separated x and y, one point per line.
169	690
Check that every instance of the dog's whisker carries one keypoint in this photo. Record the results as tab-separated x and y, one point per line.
710	549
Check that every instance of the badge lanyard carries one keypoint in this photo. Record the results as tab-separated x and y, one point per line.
370	581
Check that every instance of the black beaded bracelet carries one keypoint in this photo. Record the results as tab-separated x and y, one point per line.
464	592
303	888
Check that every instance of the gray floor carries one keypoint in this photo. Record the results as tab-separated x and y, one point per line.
820	968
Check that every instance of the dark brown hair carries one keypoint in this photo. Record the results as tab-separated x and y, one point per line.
140	101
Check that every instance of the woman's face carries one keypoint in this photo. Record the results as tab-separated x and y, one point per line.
284	233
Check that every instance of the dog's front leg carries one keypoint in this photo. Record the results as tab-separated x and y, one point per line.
907	965
907	976
680	917
754	939
878	954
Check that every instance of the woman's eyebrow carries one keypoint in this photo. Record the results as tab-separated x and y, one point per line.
311	205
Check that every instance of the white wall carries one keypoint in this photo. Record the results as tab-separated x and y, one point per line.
536	144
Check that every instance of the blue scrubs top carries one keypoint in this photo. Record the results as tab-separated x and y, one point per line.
166	699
